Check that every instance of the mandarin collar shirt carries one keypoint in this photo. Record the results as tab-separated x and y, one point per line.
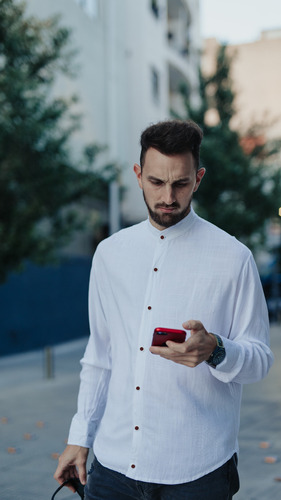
148	417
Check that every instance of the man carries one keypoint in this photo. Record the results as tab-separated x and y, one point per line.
163	421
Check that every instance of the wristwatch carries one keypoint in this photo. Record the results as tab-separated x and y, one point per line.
218	353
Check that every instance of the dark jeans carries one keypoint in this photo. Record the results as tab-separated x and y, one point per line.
105	484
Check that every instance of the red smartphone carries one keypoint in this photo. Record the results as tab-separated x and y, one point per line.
161	335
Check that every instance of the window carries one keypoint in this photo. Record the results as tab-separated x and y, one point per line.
155	7
155	84
90	7
179	21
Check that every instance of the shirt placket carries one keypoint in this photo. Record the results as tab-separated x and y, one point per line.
145	337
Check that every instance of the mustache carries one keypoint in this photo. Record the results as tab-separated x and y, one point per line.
164	205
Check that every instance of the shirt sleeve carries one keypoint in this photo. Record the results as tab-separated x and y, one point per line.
248	355
96	366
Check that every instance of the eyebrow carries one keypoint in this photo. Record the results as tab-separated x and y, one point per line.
182	179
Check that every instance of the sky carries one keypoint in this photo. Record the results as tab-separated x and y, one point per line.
239	21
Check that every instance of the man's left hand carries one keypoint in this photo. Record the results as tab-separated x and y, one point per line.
196	349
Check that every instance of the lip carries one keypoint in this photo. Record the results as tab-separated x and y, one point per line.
167	210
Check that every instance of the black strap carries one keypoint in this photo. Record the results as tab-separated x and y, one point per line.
74	482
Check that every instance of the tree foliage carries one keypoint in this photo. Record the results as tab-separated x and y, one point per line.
39	182
242	188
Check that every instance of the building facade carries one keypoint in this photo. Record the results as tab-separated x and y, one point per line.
256	76
133	56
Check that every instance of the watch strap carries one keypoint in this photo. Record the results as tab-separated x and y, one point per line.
218	349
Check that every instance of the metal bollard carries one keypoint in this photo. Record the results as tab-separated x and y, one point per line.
49	362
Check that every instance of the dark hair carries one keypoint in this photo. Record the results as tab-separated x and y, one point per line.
172	137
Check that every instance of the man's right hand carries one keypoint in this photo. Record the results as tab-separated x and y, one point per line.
72	463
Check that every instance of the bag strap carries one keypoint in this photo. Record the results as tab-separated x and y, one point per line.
74	482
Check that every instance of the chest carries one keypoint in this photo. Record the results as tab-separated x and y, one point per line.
173	277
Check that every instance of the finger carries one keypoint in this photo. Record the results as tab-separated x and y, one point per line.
81	464
178	347
59	475
190	361
172	348
83	475
63	474
157	349
192	324
71	473
70	487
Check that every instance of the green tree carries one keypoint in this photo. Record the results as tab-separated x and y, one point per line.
241	190
40	184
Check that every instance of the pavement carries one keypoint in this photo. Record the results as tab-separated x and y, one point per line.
38	393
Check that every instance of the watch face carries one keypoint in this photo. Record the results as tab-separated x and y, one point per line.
218	357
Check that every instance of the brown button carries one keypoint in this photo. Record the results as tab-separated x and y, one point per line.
162	237
136	428
149	308
141	348
133	466
138	388
155	269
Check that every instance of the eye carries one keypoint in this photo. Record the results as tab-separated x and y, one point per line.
180	184
156	182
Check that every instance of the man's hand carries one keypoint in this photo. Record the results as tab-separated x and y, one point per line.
72	463
194	350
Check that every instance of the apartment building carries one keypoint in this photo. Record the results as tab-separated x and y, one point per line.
133	56
256	76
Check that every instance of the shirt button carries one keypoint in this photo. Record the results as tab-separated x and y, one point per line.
155	269
136	428
137	388
162	237
149	308
133	466
141	348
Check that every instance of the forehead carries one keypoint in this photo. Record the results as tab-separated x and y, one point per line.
175	166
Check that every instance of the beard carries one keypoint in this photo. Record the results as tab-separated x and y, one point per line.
167	219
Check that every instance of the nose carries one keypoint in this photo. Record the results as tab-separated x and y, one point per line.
169	196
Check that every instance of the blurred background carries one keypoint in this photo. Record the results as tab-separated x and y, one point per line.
79	81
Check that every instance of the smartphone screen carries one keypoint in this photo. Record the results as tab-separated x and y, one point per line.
161	335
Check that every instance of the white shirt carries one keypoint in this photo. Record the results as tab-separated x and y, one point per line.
147	417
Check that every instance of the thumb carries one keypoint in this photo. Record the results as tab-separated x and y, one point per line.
193	326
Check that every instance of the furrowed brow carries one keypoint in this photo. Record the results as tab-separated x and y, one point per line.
182	179
152	178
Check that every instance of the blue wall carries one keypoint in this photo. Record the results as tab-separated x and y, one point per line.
44	306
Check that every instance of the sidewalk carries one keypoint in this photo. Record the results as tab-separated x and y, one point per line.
35	414
261	426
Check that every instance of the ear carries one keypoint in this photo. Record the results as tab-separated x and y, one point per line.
137	170
199	176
